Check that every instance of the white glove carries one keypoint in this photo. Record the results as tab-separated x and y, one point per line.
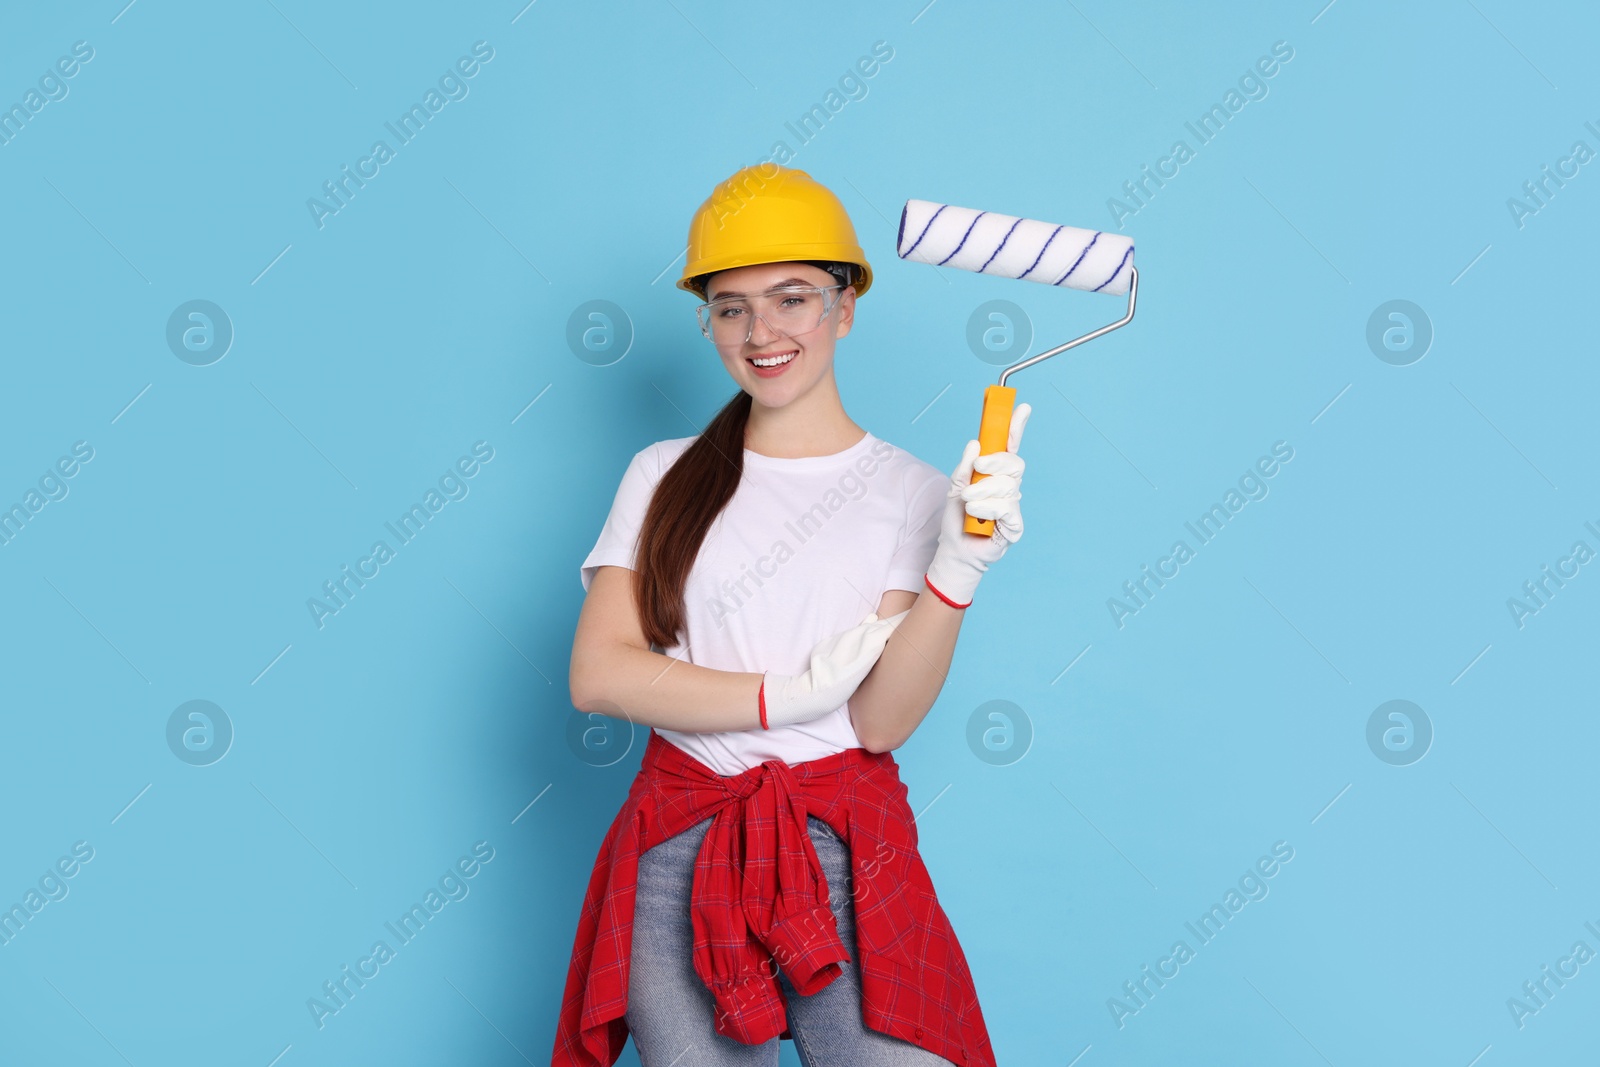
962	558
838	665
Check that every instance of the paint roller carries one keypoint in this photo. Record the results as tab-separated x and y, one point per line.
1009	247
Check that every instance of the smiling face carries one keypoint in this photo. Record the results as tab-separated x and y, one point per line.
812	349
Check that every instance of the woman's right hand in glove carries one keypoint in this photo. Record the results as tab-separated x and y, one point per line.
838	665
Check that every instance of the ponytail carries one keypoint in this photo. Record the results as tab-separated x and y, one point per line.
687	500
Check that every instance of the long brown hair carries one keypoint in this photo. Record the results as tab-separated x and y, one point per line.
687	500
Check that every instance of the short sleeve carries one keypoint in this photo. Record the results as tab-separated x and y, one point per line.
616	544
920	536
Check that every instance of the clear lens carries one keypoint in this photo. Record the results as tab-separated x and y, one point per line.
790	310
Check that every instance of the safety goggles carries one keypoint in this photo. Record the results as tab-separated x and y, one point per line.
788	310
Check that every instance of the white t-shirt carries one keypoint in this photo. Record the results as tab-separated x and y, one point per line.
805	549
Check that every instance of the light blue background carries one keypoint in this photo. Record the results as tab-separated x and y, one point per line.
431	311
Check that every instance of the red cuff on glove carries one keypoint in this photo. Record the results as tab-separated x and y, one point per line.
941	596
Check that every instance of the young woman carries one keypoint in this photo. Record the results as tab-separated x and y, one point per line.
778	597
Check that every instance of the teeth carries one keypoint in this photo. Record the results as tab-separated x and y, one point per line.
775	361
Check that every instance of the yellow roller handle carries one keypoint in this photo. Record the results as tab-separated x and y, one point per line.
994	433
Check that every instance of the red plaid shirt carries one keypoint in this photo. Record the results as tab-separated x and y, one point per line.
761	903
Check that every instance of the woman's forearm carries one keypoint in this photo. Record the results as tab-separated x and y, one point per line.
900	689
623	681
651	689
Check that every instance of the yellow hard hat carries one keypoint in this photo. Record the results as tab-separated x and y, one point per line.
770	214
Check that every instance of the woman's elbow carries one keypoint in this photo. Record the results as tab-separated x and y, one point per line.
584	684
580	696
876	743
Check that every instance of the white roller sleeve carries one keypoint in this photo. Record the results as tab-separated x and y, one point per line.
987	243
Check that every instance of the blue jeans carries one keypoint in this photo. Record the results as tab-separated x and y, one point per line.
670	1010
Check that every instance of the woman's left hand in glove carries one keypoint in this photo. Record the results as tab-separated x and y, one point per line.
962	558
